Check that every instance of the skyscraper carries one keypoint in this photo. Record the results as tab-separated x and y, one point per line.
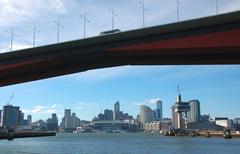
158	110
116	114
21	118
67	112
29	119
75	121
108	114
67	119
0	117
146	115
54	118
52	123
69	122
194	114
11	116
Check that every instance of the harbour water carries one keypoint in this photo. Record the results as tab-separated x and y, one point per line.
127	143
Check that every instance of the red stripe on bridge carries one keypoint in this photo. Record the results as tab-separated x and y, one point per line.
230	38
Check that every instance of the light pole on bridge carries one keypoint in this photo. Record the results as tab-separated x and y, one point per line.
113	16
12	37
178	3
85	21
34	28
58	27
142	3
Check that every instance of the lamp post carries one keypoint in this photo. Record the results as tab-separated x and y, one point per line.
12	37
34	33
142	3
217	7
178	3
85	21
58	27
113	16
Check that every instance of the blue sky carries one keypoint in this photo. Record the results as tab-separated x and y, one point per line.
88	93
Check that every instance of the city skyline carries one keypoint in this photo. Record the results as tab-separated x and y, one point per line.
88	93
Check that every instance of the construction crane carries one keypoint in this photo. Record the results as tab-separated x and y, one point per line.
10	99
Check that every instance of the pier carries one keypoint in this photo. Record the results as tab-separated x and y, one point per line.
12	135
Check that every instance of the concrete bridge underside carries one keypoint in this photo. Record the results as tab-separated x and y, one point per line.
210	40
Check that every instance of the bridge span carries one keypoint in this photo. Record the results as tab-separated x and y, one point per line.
209	40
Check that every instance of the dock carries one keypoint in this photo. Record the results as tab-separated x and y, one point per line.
12	135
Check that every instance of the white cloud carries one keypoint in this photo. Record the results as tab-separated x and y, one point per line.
6	47
147	102
43	110
12	11
84	105
153	100
232	5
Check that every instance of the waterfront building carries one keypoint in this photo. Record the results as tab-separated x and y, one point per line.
146	115
69	122
11	116
152	126
194	114
223	121
52	123
39	125
158	111
75	121
108	114
179	113
111	125
67	119
116	114
21	118
67	112
29	119
205	126
236	121
205	117
100	116
0	118
166	124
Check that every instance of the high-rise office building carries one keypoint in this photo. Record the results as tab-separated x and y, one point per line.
146	115
75	121
108	114
158	111
21	118
11	116
69	121
52	123
67	113
54	118
0	117
116	114
29	119
194	114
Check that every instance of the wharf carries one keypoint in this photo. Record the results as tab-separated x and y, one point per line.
12	135
217	134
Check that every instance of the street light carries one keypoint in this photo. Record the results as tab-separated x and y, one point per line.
217	7
142	3
85	21
34	33
113	16
12	37
178	3
58	27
